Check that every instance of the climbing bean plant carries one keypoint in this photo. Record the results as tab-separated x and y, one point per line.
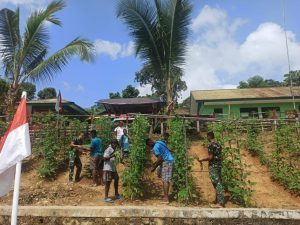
105	130
253	142
234	171
182	179
285	166
133	176
52	142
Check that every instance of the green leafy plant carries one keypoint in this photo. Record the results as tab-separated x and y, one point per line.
52	142
182	179
105	129
3	127
234	172
133	176
285	167
253	142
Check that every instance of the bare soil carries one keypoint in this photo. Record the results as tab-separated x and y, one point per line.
35	191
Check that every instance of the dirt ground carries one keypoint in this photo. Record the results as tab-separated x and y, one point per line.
35	191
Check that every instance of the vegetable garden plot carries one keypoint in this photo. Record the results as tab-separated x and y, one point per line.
234	172
53	141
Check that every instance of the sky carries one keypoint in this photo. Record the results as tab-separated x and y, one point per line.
229	41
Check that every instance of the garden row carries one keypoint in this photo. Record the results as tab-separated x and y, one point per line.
284	158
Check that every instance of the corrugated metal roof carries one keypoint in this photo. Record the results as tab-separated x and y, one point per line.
46	101
246	93
130	101
52	101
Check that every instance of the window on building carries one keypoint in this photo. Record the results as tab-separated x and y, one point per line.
249	112
270	112
218	110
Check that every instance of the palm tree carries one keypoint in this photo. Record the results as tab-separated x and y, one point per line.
25	58
160	32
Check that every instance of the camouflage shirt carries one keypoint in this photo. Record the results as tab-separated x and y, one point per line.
215	149
73	153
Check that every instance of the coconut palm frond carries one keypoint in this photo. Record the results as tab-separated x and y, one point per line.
36	36
10	38
140	17
178	21
54	64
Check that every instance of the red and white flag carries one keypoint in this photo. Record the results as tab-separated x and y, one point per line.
14	146
58	105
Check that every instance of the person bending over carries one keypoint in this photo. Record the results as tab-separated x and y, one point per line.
166	160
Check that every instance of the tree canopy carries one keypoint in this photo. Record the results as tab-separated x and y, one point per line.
114	95
47	93
295	76
258	81
146	76
29	88
130	92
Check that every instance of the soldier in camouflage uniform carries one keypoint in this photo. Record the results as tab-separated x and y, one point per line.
215	165
74	159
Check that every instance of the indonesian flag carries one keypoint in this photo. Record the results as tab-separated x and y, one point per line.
14	146
58	105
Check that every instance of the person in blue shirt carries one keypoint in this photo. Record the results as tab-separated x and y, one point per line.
166	160
124	144
96	153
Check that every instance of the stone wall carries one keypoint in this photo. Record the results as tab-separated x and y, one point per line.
130	215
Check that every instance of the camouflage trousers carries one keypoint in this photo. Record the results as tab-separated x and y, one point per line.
75	161
215	177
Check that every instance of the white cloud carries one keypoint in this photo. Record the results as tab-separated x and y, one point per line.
144	90
114	49
128	49
216	59
80	88
73	88
66	86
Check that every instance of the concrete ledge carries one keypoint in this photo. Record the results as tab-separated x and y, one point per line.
152	212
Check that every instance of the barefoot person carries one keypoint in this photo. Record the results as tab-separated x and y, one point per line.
110	172
74	159
215	165
166	160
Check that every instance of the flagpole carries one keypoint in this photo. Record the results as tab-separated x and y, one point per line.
14	212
